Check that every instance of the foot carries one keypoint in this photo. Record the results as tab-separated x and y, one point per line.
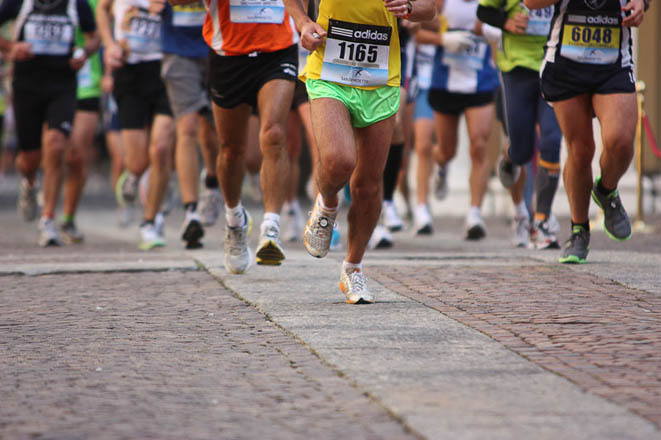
391	218
27	200
354	286
269	251
126	189
294	225
543	235
616	221
521	231
336	239
210	205
150	238
508	171
576	249
441	182
238	256
319	230
475	228
192	230
48	235
70	233
422	221
380	239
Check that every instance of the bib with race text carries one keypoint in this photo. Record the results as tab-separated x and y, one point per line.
591	39
144	31
539	21
257	11
470	58
84	75
189	15
49	34
356	54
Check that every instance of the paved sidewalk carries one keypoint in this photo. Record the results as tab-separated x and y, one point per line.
466	341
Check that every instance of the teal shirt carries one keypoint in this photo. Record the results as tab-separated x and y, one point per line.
522	50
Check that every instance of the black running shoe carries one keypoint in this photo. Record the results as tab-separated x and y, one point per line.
616	221
575	250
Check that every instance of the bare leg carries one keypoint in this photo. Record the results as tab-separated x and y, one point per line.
54	146
186	159
446	133
209	144
115	150
77	157
294	142
306	120
136	150
478	121
423	129
160	155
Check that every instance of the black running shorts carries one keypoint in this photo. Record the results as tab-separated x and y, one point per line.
561	81
140	94
456	103
235	80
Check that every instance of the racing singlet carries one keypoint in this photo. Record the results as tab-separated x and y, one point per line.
137	31
244	27
469	70
589	32
48	28
361	48
89	76
182	30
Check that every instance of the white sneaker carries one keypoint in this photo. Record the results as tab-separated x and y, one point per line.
27	200
391	219
354	286
210	205
192	230
125	216
441	182
475	228
521	231
543	235
269	251
48	235
422	220
380	239
238	256
126	189
294	225
319	230
149	237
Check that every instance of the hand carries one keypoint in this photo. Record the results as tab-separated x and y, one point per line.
312	35
518	24
456	41
156	6
398	8
636	10
107	83
20	51
113	56
78	59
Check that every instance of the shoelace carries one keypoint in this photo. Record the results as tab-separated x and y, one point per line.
357	281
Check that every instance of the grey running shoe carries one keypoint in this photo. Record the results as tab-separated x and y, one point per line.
354	286
48	233
70	233
27	201
238	256
126	189
318	232
150	238
576	249
521	231
616	221
508	172
192	230
543	235
441	183
269	251
210	205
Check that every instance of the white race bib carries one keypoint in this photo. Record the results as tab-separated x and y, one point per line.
189	15
144	33
470	58
539	21
357	54
257	11
49	35
584	40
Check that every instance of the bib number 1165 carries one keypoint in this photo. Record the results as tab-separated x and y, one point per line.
358	52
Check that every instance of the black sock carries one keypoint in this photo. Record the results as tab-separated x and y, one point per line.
585	225
190	206
211	182
602	189
391	172
147	222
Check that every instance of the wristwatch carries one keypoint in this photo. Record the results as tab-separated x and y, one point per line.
409	7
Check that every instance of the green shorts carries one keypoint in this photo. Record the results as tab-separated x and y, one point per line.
366	107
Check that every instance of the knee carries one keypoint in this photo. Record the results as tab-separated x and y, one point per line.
338	168
160	152
54	144
478	150
364	190
271	136
619	145
580	153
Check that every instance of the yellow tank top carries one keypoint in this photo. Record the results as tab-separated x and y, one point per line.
361	48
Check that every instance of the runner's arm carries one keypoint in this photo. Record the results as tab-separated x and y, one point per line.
16	50
412	10
312	35
635	11
113	54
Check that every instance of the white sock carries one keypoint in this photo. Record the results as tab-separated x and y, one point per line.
351	267
474	211
521	209
320	202
235	216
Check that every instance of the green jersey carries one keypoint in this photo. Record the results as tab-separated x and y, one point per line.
89	76
522	50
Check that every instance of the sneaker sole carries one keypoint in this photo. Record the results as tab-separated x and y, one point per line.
50	243
425	230
270	254
572	259
475	233
192	235
395	228
360	300
149	246
72	240
609	233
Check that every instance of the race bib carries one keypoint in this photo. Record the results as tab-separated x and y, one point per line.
470	58
144	31
84	76
257	11
539	21
49	35
591	39
356	54
189	15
